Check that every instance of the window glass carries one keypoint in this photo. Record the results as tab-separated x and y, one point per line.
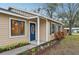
52	28
59	27
17	27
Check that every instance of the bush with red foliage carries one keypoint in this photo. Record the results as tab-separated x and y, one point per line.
62	34
56	36
59	35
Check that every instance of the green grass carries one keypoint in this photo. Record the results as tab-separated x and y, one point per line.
72	38
75	33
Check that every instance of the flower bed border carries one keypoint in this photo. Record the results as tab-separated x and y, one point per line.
38	50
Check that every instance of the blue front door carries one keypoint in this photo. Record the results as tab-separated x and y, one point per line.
32	31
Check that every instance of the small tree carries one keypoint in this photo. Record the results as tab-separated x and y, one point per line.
51	8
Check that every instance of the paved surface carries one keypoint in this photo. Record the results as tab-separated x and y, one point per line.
18	50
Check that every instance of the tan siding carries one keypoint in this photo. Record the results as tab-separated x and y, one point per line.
51	37
4	22
4	30
42	30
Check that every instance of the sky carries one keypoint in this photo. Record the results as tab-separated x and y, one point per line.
27	6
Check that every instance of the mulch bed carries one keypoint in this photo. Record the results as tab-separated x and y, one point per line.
41	49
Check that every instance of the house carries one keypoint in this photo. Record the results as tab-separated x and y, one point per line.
75	30
16	25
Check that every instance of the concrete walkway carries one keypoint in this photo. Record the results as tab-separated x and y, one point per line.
18	50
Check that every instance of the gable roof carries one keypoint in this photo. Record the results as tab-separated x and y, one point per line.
5	11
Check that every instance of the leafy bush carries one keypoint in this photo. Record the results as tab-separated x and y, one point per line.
59	35
34	49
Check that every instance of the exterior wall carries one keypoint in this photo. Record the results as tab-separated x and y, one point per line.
43	30
51	36
62	28
5	36
4	31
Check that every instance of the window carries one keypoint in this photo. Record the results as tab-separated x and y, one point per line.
17	27
52	28
59	28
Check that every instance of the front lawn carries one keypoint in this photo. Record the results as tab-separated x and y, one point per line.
68	46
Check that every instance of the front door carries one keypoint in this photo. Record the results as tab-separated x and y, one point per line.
32	31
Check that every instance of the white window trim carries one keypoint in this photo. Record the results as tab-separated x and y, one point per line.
47	29
56	27
10	28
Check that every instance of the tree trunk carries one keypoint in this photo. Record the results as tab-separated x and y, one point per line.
70	27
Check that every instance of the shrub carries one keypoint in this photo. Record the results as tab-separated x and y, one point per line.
59	35
33	49
56	35
12	46
62	35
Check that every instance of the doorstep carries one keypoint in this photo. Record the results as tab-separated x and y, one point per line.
18	50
